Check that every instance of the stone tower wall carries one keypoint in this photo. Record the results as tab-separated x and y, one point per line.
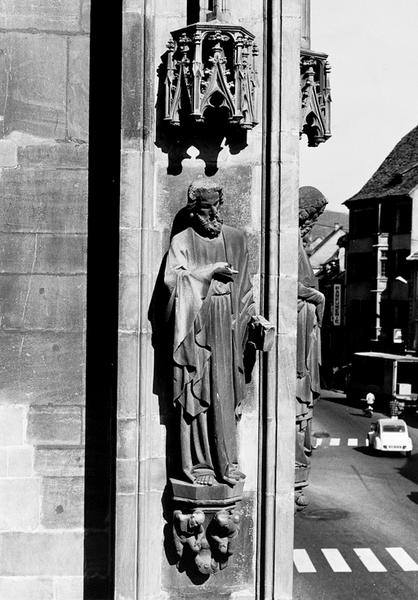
43	242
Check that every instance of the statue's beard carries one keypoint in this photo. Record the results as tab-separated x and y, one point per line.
208	226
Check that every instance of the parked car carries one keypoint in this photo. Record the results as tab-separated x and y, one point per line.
390	435
390	377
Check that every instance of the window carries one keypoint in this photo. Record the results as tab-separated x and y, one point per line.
383	263
393	428
361	266
401	266
387	217
364	221
403	218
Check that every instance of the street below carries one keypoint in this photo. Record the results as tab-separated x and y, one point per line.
358	537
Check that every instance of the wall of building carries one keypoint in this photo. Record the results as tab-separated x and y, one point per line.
43	227
379	277
156	172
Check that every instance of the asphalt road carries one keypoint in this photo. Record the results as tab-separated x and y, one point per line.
358	538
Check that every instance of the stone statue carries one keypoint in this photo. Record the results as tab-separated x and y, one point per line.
209	550
225	532
188	531
309	320
211	304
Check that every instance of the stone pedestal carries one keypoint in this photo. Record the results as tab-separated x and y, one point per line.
216	496
205	525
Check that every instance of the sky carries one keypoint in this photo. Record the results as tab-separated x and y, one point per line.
373	52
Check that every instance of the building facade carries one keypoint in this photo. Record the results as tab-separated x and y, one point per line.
381	305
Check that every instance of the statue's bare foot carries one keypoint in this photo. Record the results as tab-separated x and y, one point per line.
301	501
230	480
205	479
237	474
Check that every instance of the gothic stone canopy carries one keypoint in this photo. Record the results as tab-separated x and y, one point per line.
211	66
315	114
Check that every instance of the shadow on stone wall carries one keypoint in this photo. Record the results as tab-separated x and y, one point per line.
102	304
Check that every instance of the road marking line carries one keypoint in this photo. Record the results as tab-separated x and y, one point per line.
336	560
334	442
369	560
403	559
302	562
352	442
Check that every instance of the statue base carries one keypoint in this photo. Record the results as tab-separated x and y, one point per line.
205	525
219	495
302	476
302	473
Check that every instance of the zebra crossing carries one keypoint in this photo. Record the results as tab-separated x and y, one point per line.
336	441
395	558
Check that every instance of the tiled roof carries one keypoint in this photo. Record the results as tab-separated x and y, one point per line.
398	173
326	223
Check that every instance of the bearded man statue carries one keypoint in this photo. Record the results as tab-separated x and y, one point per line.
212	308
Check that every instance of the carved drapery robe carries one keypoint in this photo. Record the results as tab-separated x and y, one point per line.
211	318
308	359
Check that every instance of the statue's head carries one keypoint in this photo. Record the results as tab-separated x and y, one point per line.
222	518
196	518
225	519
204	200
311	205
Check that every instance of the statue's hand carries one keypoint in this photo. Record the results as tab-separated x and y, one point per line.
224	270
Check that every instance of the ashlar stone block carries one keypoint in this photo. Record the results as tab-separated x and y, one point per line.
127	434
68	588
26	588
44	200
12	425
41	368
53	15
43	301
60	155
20	461
78	88
128	357
85	15
62	502
39	253
130	189
126	546
64	462
41	553
8	154
37	103
54	425
3	462
19	504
